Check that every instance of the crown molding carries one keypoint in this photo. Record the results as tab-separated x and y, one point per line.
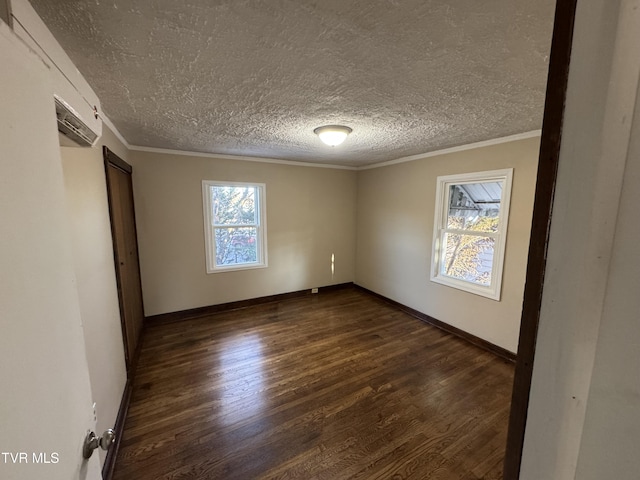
244	158
115	131
460	148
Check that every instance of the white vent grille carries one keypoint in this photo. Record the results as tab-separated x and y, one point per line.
70	124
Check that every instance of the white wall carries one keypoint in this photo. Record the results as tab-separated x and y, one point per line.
45	404
396	206
611	435
310	216
88	217
583	413
86	195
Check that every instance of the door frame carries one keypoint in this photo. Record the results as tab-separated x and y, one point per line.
543	205
550	142
111	159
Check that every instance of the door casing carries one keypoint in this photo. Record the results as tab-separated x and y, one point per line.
125	253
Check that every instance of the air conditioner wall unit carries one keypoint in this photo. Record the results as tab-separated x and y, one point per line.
77	107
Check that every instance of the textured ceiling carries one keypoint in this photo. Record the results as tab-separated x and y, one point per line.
255	77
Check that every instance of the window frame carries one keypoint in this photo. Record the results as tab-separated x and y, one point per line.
209	227
494	289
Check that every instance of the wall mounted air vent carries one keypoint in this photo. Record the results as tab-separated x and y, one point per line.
70	124
76	102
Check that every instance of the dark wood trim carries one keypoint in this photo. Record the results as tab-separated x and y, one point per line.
112	453
224	307
115	160
111	159
477	341
542	211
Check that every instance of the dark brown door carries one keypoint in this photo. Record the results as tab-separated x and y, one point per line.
125	246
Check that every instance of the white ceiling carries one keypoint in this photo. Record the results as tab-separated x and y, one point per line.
255	77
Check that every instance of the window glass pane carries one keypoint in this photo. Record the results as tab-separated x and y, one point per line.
234	205
236	246
468	257
474	206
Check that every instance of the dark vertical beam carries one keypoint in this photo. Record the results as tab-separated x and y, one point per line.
542	210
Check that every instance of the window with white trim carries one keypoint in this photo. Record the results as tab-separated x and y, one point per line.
234	225
470	228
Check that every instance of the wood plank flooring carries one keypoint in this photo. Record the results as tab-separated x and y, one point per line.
338	385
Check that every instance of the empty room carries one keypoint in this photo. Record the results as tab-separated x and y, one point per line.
319	240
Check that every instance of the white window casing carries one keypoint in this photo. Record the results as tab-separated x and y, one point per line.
234	243
479	262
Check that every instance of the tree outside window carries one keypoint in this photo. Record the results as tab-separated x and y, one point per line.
470	230
234	225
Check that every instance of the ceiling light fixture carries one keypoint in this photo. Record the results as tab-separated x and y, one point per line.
333	135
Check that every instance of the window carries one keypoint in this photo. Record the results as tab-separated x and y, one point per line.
234	225
470	230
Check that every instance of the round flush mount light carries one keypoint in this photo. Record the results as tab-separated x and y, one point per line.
332	135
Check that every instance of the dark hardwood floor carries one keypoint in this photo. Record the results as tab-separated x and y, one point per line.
337	385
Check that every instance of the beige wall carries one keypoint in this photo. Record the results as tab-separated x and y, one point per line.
310	216
396	207
86	195
583	417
